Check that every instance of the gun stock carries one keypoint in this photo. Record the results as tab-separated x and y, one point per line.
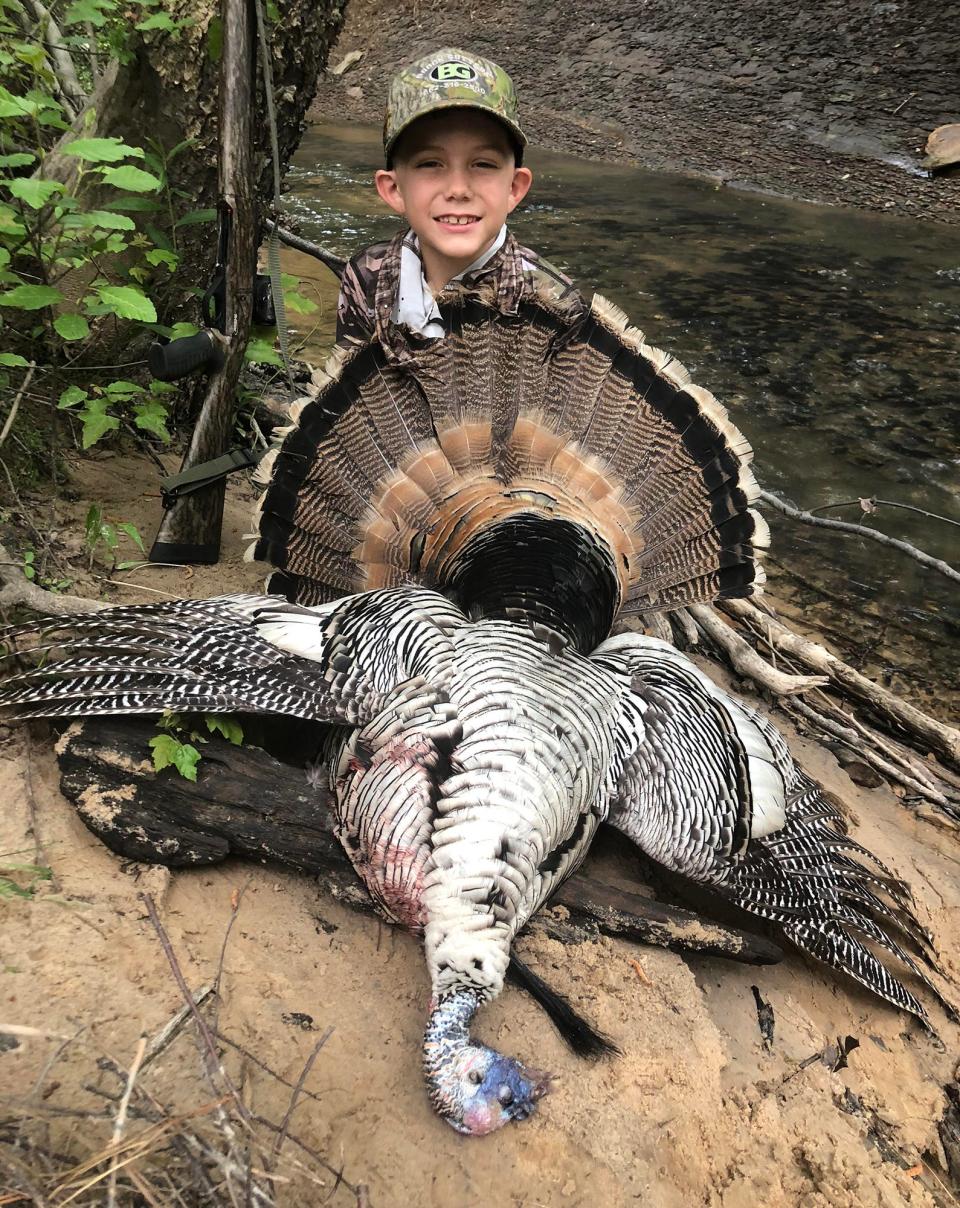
191	526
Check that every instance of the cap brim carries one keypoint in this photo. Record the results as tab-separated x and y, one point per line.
455	104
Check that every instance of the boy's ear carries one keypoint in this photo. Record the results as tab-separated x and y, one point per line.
519	187
389	190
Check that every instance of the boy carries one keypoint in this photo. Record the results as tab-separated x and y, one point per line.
454	171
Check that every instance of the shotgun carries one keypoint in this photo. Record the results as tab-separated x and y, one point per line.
191	526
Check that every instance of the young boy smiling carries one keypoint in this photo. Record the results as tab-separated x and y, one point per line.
454	171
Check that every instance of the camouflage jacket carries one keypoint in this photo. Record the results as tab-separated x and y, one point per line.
368	291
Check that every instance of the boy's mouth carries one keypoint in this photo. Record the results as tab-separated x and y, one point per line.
456	219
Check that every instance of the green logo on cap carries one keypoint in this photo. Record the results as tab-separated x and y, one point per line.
453	71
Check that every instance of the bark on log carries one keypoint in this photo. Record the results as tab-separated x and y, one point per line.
247	803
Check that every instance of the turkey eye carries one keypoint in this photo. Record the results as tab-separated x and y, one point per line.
475	1077
504	1096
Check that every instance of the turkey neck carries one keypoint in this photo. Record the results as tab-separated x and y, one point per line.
447	1034
541	569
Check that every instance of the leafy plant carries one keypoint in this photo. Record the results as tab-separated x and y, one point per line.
100	534
112	229
174	747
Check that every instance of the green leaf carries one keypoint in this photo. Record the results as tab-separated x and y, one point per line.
125	301
159	255
16	106
70	397
129	177
133	533
94	11
170	752
103	219
263	352
13	361
19	159
96	423
30	297
215	39
10	223
71	327
179	330
142	205
36	193
228	726
196	216
152	417
102	150
122	389
157	21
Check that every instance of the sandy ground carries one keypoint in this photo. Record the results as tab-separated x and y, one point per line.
697	1110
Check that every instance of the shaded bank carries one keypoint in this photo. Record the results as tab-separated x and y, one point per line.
828	103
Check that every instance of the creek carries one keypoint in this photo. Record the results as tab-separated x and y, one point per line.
830	335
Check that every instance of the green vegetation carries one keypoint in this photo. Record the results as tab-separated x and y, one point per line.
174	746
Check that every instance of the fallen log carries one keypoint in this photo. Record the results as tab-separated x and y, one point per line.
247	803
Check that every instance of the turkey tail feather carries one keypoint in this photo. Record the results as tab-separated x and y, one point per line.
427	471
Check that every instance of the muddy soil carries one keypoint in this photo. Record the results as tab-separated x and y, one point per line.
698	1110
829	103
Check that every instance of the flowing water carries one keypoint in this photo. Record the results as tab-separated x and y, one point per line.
830	335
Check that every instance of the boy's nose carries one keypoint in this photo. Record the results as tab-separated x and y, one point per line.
458	184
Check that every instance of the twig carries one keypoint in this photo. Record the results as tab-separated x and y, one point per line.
121	1120
307	1149
859	530
890	770
257	1061
8	423
888	503
213	1062
173	1025
308	1065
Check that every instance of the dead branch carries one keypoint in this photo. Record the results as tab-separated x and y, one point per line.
935	735
17	591
859	530
745	660
24	386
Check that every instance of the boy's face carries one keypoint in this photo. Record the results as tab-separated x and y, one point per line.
455	182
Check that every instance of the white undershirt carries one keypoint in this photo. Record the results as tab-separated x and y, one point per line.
415	306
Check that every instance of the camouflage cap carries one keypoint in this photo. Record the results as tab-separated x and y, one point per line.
449	79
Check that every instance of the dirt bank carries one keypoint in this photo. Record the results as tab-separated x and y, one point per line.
829	102
698	1110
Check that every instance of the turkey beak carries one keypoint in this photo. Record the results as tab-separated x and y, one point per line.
542	1083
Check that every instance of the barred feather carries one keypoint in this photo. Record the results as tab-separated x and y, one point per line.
697	766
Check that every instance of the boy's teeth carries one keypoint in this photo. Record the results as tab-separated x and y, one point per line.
453	221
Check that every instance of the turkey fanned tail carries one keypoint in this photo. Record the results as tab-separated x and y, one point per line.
710	790
243	653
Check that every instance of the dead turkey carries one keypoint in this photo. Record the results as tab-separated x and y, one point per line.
488	510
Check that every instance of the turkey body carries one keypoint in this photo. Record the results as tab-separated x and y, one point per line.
477	789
